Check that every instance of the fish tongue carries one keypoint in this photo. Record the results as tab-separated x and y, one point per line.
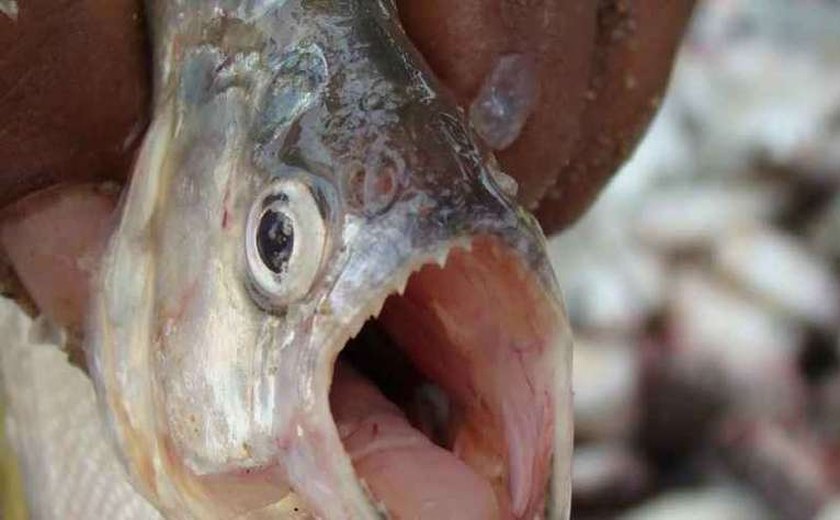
403	470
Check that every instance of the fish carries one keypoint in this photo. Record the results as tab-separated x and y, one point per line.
320	299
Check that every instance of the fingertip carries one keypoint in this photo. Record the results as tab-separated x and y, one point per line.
53	240
464	41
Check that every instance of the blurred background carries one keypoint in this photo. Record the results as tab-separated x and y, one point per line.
703	287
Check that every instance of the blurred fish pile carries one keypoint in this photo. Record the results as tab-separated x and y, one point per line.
704	287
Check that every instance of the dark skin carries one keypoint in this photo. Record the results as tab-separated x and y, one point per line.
75	92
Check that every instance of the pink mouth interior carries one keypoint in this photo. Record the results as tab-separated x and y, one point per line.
445	401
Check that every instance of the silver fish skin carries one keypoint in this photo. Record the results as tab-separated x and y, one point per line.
301	166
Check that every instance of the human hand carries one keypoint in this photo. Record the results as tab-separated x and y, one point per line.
76	90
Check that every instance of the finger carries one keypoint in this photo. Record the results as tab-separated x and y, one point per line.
635	46
463	41
53	240
601	67
73	92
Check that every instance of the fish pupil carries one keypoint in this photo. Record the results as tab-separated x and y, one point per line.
275	240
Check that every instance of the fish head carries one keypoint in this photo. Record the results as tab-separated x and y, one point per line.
306	188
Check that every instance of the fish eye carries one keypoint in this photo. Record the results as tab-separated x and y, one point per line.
284	244
275	240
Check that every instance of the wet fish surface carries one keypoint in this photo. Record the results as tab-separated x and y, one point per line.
307	185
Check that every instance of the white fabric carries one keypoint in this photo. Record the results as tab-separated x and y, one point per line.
69	466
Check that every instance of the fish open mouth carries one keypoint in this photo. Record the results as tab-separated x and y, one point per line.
445	401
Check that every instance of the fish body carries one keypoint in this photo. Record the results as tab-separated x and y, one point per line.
304	175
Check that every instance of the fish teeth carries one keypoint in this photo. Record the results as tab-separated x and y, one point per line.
403	283
400	283
442	257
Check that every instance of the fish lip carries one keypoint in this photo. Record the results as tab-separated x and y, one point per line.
553	490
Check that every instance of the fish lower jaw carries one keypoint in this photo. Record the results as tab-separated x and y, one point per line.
445	397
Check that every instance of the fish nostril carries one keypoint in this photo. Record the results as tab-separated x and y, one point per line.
380	188
372	190
354	184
